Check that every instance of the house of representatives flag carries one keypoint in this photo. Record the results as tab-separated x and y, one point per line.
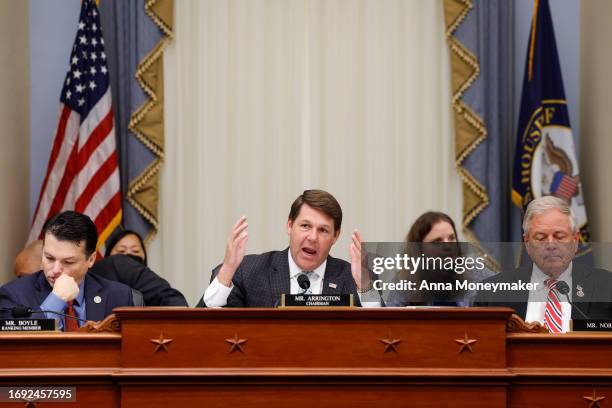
545	159
82	173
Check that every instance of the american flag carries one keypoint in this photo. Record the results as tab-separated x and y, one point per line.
564	186
82	173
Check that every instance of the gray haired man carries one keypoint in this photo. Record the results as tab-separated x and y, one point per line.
551	237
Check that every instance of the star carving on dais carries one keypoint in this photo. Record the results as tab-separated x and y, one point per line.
161	343
390	343
466	343
236	343
594	400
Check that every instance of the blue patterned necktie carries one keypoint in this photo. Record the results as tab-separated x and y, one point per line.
309	276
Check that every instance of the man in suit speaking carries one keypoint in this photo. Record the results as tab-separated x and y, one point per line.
313	227
551	237
63	285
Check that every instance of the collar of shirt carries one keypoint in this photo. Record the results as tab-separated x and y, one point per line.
316	277
80	308
81	296
539	277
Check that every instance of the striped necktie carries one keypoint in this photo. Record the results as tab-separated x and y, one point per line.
553	317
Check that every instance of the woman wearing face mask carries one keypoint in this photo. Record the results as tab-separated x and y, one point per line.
432	236
129	243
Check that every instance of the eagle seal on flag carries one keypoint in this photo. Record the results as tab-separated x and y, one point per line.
548	160
545	160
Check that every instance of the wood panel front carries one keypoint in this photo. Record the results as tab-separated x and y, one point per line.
59	350
575	351
302	357
560	394
88	394
305	339
353	394
81	360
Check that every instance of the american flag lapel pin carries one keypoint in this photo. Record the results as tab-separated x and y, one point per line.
332	285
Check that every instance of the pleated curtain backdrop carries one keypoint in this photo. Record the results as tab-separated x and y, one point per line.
266	98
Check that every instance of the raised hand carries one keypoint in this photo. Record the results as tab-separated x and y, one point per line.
66	288
234	251
362	281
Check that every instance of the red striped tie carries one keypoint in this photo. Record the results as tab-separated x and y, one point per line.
70	324
553	320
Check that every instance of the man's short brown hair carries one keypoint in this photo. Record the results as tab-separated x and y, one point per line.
319	200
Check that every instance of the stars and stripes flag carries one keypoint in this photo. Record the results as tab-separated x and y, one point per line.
83	173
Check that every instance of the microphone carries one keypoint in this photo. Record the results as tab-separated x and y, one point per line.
21	311
24	312
18	311
64	315
563	288
303	281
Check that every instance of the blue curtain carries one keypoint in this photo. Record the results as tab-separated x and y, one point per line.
487	32
129	35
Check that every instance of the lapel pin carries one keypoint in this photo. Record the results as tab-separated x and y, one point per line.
97	299
332	285
579	291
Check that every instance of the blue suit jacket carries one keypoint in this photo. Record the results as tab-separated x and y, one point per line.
32	290
596	285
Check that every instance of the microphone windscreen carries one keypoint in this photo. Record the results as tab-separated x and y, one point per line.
21	311
303	281
562	287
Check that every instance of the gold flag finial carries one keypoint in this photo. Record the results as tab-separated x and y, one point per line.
534	21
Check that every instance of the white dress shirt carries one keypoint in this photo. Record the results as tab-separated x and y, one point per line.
536	306
316	277
216	294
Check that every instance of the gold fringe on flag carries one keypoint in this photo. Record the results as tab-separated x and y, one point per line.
147	122
470	129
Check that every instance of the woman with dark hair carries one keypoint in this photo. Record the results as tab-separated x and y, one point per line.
432	237
129	243
432	226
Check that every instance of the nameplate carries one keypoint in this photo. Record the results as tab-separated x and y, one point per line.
592	325
27	325
317	301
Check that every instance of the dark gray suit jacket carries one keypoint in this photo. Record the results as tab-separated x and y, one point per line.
260	280
596	285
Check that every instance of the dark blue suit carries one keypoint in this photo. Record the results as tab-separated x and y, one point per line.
32	290
596	284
